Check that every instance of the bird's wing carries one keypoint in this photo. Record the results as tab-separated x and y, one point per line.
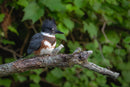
35	43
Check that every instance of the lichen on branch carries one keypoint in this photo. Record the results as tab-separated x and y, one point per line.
61	60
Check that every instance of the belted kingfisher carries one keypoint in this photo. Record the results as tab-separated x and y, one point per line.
45	41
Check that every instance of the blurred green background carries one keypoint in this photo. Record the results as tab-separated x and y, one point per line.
99	25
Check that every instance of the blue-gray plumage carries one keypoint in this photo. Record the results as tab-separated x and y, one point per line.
45	41
35	43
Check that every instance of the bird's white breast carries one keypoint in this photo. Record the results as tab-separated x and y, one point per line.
49	48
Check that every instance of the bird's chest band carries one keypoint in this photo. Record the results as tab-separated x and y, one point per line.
47	44
47	47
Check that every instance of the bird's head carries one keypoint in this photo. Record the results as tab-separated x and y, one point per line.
49	26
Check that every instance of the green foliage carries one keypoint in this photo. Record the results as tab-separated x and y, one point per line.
1	17
127	39
82	22
14	30
5	82
5	42
73	46
32	9
68	23
61	36
91	28
54	7
34	85
107	49
37	78
62	28
23	3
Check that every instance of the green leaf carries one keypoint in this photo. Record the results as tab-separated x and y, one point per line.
120	52
34	85
14	30
113	37
68	23
52	78
79	3
90	74
69	7
96	44
79	12
92	2
73	45
113	2
107	49
1	1
23	3
61	36
54	5
62	28
126	75
67	84
57	73
127	39
5	42
7	60
90	46
21	78
5	82
33	12
35	78
101	80
127	46
2	17
97	6
106	63
37	71
91	28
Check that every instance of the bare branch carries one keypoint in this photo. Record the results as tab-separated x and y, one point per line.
10	50
101	70
62	60
25	42
103	31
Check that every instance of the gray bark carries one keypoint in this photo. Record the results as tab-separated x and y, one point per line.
62	60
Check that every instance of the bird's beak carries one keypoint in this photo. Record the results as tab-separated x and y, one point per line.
58	32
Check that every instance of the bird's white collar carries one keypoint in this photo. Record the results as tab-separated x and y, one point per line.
47	34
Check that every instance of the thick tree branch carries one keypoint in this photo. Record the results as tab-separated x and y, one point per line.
62	60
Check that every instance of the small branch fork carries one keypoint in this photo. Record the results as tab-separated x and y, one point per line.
62	60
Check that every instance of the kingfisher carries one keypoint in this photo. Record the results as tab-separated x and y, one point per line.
45	41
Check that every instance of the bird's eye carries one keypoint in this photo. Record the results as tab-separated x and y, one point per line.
52	29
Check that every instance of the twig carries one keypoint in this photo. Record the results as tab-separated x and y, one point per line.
100	48
103	31
10	50
52	85
10	12
40	21
72	37
61	60
33	27
25	42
